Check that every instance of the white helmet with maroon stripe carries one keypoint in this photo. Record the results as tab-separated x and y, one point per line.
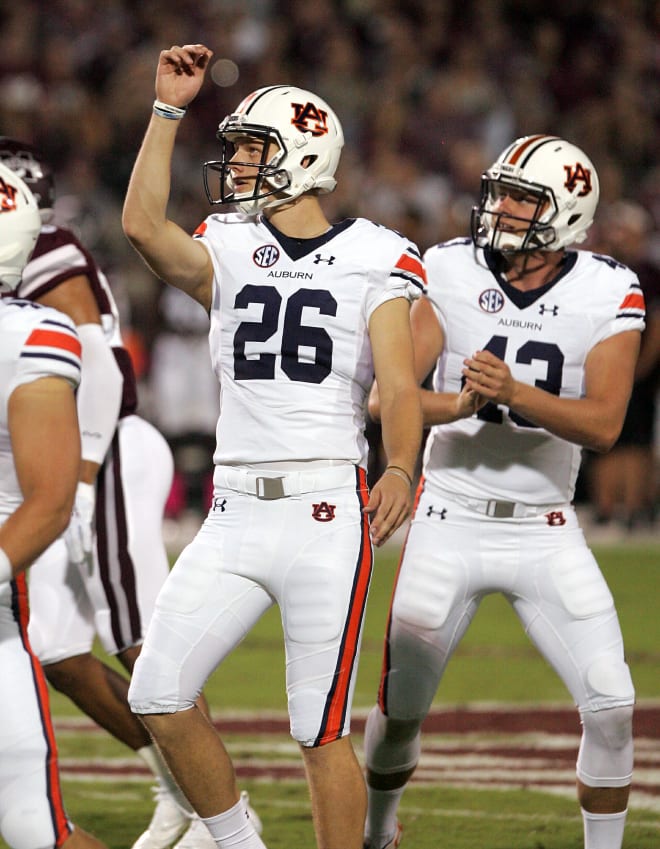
20	224
556	178
302	141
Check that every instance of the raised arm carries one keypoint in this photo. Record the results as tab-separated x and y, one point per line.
170	252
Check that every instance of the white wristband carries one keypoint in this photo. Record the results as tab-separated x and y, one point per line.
6	572
164	110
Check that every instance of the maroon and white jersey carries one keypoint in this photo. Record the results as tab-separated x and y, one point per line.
35	342
289	334
544	336
58	256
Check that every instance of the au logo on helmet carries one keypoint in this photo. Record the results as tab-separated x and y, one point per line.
309	119
578	174
7	196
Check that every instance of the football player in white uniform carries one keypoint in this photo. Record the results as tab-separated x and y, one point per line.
39	371
534	348
302	312
102	577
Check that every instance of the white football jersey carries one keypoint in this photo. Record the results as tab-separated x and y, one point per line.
35	342
544	336
289	334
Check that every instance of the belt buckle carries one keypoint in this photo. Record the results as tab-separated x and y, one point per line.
501	509
269	489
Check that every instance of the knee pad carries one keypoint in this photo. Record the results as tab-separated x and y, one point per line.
391	745
305	708
609	683
605	758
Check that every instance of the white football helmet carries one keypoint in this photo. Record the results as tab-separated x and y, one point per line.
20	224
556	173
33	169
308	139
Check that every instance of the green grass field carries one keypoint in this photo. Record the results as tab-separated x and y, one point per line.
494	665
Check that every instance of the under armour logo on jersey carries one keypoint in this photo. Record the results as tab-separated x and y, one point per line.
323	512
578	174
554	309
265	256
442	513
318	259
308	118
555	518
219	504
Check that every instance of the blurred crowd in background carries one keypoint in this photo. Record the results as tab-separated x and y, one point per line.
428	92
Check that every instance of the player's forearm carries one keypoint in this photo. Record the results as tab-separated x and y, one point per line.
583	421
401	421
148	192
167	249
29	531
445	407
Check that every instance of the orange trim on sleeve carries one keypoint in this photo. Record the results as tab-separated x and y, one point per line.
409	263
54	339
634	300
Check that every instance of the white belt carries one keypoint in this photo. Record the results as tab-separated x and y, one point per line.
503	509
275	485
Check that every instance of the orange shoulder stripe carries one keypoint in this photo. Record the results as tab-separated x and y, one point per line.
412	264
55	339
633	299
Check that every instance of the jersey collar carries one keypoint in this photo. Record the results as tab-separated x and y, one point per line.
524	299
298	248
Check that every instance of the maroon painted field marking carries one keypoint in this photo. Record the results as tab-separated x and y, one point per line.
485	747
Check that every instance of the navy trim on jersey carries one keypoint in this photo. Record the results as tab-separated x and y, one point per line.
56	323
409	278
40	355
495	262
298	248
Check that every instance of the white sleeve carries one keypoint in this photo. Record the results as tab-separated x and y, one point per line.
99	394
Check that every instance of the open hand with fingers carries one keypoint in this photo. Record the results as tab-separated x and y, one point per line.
180	73
390	503
490	377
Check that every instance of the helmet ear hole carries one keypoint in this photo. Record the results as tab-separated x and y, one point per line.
573	219
279	179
